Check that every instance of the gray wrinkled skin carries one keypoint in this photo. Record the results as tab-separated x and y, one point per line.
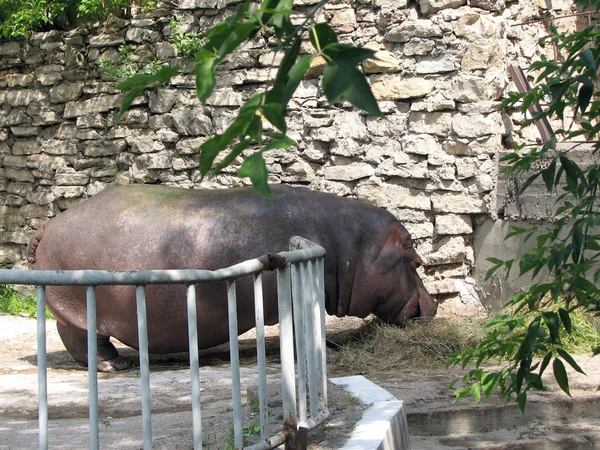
370	265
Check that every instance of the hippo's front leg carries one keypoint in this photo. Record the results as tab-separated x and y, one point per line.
75	341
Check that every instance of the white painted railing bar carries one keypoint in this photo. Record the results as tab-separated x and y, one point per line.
142	323
322	349
234	356
261	358
146	277
318	334
194	366
286	347
309	333
92	346
297	283
304	289
42	368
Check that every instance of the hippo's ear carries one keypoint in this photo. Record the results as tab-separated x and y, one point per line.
396	247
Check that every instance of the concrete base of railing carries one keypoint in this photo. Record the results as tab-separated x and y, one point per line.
383	425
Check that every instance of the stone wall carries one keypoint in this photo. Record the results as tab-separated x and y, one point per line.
432	162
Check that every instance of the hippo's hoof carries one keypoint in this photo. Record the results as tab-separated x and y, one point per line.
114	365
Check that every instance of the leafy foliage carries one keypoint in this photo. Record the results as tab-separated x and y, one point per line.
186	43
21	18
568	249
126	66
260	125
12	302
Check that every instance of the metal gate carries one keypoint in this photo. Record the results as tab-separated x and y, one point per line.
301	299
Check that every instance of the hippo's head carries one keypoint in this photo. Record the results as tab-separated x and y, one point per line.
391	285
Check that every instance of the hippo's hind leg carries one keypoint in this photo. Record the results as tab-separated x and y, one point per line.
75	341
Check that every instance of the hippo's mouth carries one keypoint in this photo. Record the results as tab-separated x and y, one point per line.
419	305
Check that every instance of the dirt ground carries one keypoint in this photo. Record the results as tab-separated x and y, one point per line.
119	396
552	420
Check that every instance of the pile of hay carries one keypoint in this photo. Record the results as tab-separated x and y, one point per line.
419	345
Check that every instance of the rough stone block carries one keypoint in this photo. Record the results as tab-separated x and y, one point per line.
26	147
66	92
67	176
448	250
106	40
440	65
103	148
399	87
349	173
453	224
192	122
458	204
413	28
392	196
439	123
20	175
432	6
23	97
57	147
68	192
477	126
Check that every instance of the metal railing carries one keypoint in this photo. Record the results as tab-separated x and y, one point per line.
301	298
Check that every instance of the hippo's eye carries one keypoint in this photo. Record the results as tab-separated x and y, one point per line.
415	262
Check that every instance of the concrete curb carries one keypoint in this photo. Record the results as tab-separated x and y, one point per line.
384	425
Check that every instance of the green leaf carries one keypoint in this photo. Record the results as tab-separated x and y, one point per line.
545	363
577	243
553	324
560	374
476	392
276	93
137	84
275	113
349	54
497	264
321	35
205	74
548	175
127	101
284	142
343	80
571	168
565	319
515	231
522	401
255	168
534	381
528	182
295	77
584	97
234	153
236	36
211	147
568	358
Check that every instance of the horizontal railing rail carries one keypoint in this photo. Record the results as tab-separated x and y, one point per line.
301	303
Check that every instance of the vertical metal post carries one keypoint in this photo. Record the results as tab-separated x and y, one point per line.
309	335
42	368
234	356
92	367
261	358
321	299
194	366
286	347
297	282
140	296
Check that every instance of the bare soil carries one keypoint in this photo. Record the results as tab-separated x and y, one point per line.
119	395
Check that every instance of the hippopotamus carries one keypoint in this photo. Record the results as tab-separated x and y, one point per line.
370	265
